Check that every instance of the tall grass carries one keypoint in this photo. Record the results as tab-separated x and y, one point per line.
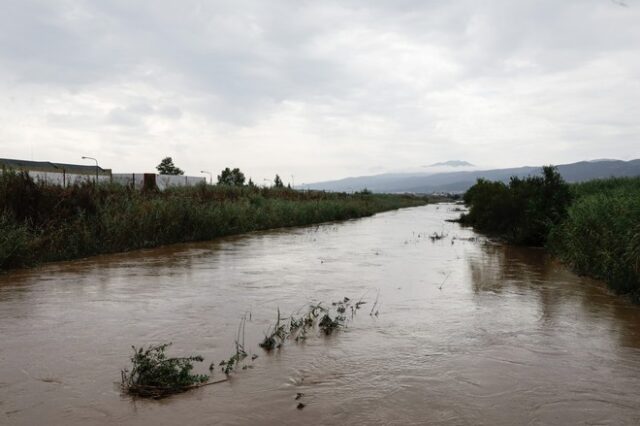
41	223
592	226
600	236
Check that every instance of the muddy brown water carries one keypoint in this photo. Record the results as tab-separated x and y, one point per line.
468	331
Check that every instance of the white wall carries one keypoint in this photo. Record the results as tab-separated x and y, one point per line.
167	181
162	181
68	179
127	179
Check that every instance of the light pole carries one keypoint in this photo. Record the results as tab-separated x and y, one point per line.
210	176
91	158
293	183
267	180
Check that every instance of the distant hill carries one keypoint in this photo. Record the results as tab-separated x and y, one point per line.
452	163
461	181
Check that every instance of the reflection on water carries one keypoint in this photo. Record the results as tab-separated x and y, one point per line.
469	332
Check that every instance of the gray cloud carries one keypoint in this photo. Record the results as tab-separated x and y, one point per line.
319	89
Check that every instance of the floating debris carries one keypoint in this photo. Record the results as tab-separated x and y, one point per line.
444	281
275	337
328	324
435	236
154	375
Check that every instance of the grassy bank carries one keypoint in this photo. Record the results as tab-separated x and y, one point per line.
40	223
593	226
600	235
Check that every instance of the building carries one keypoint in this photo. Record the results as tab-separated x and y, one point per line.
57	173
69	174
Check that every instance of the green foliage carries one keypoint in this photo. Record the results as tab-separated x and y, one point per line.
155	375
41	223
15	241
232	363
592	226
298	326
328	324
523	211
276	336
601	234
231	177
623	185
166	167
277	182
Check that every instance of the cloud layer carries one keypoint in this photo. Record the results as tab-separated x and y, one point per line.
319	89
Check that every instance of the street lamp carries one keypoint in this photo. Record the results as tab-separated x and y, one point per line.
267	180
210	176
293	183
91	158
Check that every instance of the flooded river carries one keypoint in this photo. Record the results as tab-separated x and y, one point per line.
468	331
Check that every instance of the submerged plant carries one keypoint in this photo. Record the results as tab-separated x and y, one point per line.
234	360
274	338
154	375
298	326
435	236
328	324
232	363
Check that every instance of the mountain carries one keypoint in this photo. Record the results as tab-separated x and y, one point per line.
455	182
452	163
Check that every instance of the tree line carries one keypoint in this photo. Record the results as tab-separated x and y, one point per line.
228	176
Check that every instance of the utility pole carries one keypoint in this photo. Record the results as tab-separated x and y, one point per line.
91	158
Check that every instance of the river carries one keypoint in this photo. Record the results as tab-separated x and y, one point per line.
468	331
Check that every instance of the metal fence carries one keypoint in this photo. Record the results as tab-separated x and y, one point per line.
66	179
136	180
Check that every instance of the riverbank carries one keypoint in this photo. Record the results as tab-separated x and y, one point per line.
41	223
594	226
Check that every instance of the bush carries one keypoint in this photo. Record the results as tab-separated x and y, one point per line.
14	243
601	238
154	375
592	226
523	211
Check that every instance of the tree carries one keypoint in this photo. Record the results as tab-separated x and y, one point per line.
524	211
231	177
166	167
277	182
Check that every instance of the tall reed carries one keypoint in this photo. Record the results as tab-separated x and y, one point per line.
45	223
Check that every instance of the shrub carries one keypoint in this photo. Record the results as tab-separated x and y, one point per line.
15	242
523	211
601	238
155	375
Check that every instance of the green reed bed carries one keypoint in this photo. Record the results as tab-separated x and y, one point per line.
40	223
593	226
600	235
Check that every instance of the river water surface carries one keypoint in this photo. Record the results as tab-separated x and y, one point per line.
468	331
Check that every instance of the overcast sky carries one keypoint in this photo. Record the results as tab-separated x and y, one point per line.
319	89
